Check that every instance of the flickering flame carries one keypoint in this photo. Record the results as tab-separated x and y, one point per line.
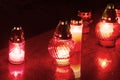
63	51
16	54
106	30
75	29
76	32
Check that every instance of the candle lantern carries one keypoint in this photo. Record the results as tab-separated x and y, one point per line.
76	26
61	45
107	30
16	46
86	16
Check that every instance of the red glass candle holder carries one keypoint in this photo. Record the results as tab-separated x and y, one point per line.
107	33
61	45
61	50
86	16
16	46
107	30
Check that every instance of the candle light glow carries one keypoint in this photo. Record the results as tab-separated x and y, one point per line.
76	26
76	32
16	54
63	51
106	30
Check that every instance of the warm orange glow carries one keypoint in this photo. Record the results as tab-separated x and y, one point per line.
60	49
76	31
63	55
76	70
16	54
106	30
63	51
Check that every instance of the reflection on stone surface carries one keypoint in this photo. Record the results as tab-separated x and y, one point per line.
16	72
64	73
106	62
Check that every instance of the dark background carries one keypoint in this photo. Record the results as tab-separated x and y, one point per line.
38	16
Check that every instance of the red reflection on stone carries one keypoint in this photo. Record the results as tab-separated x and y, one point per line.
16	72
64	73
104	60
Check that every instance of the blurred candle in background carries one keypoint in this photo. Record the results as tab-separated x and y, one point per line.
16	46
86	16
106	29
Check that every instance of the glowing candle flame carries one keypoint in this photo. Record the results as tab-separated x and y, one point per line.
16	53
106	30
63	51
76	32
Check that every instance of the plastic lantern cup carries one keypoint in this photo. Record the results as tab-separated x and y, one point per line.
76	26
61	45
16	46
60	50
107	30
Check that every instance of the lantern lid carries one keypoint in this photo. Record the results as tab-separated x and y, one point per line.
63	30
109	14
76	20
17	34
